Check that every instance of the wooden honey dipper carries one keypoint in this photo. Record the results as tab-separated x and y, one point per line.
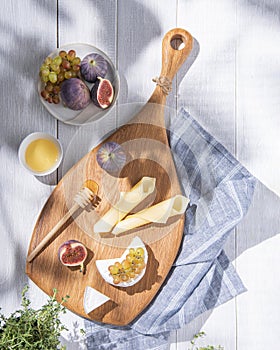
87	195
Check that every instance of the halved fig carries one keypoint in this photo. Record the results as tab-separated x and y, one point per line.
102	93
73	253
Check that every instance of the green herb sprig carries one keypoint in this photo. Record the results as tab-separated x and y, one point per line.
208	347
31	329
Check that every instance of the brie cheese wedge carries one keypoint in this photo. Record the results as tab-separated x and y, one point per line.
102	265
93	299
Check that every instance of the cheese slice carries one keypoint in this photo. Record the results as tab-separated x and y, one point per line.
158	213
127	201
93	299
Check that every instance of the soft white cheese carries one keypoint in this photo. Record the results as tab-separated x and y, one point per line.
93	299
102	265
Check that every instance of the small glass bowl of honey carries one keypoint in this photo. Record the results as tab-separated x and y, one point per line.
40	153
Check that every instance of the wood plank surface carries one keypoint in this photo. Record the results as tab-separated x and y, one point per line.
258	148
207	91
23	47
95	24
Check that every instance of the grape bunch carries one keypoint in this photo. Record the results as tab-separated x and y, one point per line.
129	268
55	70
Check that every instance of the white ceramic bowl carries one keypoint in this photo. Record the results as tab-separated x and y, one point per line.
26	142
91	113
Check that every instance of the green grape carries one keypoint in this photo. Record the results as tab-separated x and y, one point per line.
129	258
48	61
45	72
55	99
68	75
129	268
76	68
56	89
140	251
118	264
139	259
76	61
45	94
141	265
55	67
124	278
65	64
117	280
131	251
49	86
62	53
53	77
137	270
45	79
43	67
131	274
73	74
57	60
60	77
113	269
71	55
126	265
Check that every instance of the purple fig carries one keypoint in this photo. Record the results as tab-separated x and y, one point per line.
111	157
75	94
93	66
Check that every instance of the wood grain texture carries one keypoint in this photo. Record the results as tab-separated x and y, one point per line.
150	156
47	272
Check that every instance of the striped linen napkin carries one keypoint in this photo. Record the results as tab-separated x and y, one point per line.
220	191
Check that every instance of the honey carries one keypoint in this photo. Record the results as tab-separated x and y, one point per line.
41	155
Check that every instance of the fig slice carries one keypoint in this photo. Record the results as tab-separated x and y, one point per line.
73	253
102	93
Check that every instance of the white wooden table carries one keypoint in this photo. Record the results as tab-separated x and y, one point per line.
231	88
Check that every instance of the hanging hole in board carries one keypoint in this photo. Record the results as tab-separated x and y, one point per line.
177	42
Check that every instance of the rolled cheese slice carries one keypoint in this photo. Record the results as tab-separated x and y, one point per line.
127	201
158	213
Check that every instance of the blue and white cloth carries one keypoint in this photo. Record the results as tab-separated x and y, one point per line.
220	191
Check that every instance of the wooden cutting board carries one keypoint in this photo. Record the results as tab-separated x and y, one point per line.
145	139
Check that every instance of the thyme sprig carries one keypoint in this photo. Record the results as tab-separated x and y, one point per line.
31	329
208	347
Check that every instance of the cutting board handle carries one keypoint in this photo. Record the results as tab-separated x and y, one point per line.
176	47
